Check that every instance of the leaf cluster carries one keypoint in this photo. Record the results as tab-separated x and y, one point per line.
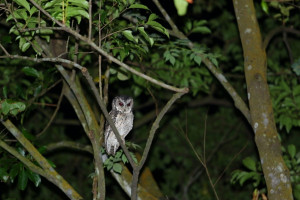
254	175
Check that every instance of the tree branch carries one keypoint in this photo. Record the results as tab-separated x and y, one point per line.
275	31
52	175
263	124
137	169
238	101
111	58
23	159
54	113
69	144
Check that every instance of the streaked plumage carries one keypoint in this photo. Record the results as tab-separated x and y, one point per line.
122	116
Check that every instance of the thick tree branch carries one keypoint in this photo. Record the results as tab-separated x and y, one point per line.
52	175
91	128
275	171
23	159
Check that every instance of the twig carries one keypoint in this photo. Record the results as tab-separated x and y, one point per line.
38	60
275	31
44	91
6	53
69	144
54	113
90	20
41	28
113	19
204	140
288	47
100	57
234	157
205	167
154	127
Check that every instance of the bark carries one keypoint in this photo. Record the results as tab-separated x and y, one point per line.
262	119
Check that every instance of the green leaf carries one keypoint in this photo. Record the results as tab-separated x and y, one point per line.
292	150
75	11
4	90
5	107
23	3
53	3
152	17
14	30
18	14
133	157
13	172
157	26
51	163
22	180
117	167
198	59
145	35
296	191
34	177
201	29
181	6
169	57
249	163
25	46
45	31
81	3
129	36
140	6
29	71
37	47
244	176
3	175
124	159
264	6
122	76
33	10
296	90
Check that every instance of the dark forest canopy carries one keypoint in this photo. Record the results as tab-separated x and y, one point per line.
215	86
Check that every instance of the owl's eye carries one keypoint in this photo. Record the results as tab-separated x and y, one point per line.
128	104
121	104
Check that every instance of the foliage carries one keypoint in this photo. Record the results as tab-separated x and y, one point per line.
135	33
12	170
254	174
113	162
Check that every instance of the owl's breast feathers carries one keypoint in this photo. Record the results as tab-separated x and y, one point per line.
124	123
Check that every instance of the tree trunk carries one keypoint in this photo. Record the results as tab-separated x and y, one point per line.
262	119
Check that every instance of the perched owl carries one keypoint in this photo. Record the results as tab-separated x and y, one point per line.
122	116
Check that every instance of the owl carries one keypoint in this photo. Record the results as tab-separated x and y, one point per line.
122	116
